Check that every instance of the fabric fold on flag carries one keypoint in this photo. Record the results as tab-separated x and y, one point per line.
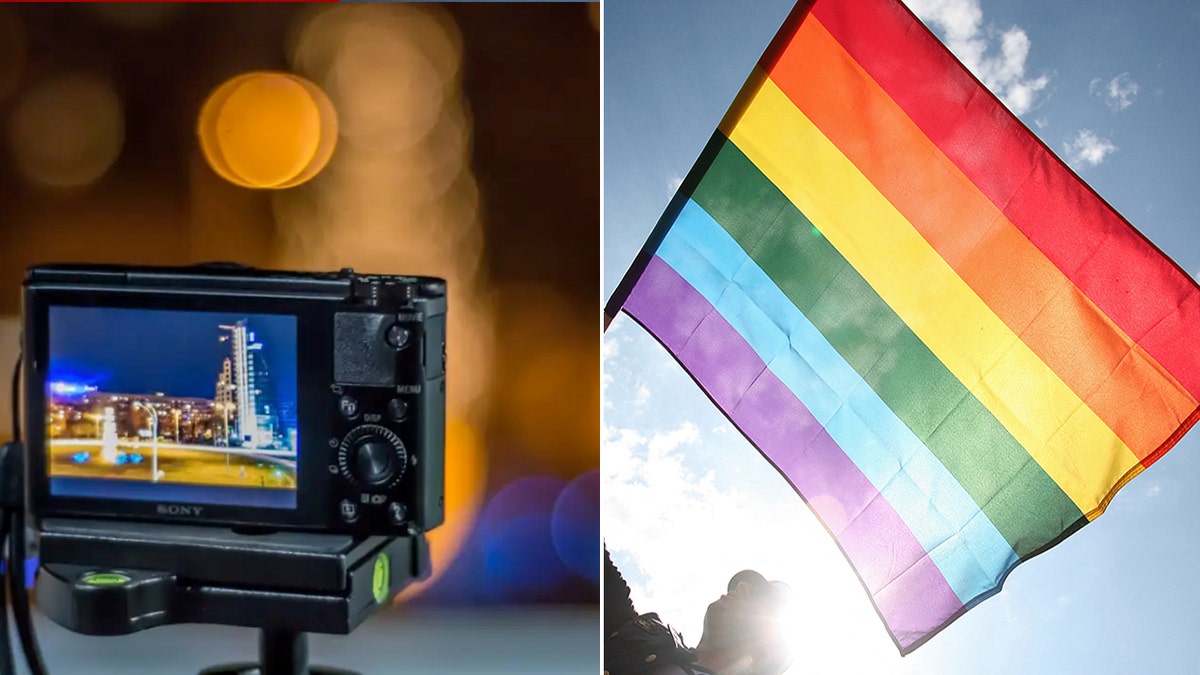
950	346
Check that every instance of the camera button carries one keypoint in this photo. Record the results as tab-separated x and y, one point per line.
349	510
398	513
348	406
398	336
397	410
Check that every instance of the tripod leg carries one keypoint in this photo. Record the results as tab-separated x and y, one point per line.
280	652
283	652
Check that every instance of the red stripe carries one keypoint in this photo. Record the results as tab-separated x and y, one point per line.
1140	289
1117	379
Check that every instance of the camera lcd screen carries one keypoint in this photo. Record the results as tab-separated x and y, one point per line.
172	406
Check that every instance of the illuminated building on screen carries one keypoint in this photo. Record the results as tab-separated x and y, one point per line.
88	413
244	394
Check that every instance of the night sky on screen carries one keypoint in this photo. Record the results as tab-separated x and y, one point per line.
138	351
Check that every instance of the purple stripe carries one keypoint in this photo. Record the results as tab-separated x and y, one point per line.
902	604
907	588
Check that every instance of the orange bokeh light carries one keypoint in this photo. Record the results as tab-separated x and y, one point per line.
552	348
67	131
267	130
594	14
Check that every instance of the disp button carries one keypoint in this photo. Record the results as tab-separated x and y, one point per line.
372	454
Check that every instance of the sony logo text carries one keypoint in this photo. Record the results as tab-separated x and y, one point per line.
179	510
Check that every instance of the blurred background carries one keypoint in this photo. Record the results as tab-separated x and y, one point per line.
458	140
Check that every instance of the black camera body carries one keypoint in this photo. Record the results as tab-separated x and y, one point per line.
229	396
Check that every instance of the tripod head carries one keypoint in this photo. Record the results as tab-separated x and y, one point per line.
115	578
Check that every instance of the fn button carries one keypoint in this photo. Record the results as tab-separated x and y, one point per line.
348	406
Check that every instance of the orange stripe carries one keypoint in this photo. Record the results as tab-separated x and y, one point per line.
1138	399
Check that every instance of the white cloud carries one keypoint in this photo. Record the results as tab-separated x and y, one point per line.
1088	148
1154	490
673	183
609	348
646	489
617	380
1118	93
663	444
996	57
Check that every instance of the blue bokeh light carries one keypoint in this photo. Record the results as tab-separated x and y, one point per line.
520	560
575	526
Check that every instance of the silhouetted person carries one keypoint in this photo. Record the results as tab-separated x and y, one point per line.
743	632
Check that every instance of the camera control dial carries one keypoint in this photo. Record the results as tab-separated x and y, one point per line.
372	455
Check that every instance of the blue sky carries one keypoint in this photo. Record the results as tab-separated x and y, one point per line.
686	502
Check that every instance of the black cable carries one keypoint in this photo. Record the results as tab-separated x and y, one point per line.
20	595
16	402
15	569
7	667
7	664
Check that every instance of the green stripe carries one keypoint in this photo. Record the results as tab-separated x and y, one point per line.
1024	503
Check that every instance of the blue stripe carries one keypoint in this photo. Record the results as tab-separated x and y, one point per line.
964	544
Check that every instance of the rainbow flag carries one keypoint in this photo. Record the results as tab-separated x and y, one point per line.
953	349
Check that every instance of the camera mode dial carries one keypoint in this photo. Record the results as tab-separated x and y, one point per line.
372	455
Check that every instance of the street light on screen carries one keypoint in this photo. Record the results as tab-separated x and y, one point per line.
225	408
98	418
153	438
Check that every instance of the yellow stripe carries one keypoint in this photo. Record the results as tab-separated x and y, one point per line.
1066	437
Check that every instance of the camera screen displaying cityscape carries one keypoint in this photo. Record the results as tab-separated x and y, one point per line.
168	405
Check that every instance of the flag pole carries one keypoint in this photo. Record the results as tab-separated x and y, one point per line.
621	293
617	300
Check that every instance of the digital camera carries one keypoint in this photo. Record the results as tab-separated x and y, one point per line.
225	395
